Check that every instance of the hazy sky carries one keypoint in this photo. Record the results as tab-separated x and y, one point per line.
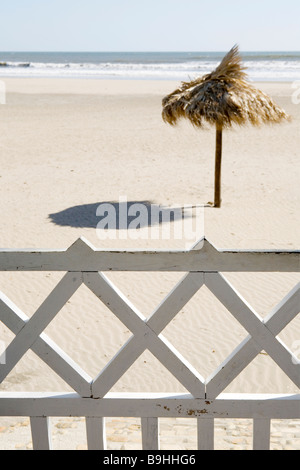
149	25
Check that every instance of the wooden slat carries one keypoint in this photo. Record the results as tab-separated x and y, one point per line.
46	349
117	366
261	434
231	367
259	331
285	311
39	321
82	256
151	404
126	312
205	433
96	435
164	352
184	372
177	298
248	349
150	433
115	301
41	433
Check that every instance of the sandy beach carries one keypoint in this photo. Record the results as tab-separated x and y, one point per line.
68	145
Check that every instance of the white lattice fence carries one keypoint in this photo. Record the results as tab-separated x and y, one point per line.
92	398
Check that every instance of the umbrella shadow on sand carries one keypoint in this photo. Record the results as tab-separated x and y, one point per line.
118	215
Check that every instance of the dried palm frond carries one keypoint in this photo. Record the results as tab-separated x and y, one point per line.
222	97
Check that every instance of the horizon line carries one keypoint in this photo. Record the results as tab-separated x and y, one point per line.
149	51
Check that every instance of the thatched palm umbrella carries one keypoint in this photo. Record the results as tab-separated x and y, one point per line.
222	98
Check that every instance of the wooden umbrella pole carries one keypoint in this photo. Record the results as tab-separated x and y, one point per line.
218	159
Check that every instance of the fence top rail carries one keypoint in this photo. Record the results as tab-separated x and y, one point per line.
203	257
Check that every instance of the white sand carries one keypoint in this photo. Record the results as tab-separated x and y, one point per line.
68	145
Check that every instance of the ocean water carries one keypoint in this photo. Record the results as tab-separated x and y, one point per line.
261	66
